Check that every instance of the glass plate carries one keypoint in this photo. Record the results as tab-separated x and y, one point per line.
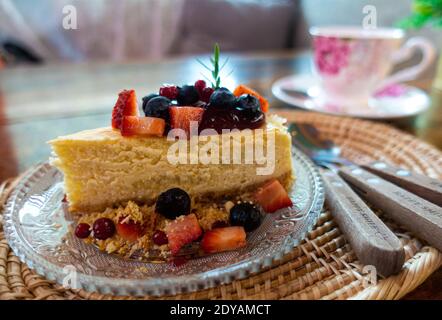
36	227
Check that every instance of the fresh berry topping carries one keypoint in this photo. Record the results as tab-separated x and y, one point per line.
219	224
200	85
222	98
272	196
142	126
218	119
247	102
83	230
158	107
248	110
126	105
233	118
173	203
206	94
242	89
180	117
223	239
146	99
187	96
245	215
250	118
129	230
160	238
103	228
181	231
169	91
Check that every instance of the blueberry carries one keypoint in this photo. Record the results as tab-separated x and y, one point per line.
222	98
158	107
173	203
246	215
247	102
147	98
187	96
248	110
252	117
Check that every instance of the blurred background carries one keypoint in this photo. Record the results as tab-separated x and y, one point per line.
112	30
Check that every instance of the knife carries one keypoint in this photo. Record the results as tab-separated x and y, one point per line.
420	216
423	186
372	241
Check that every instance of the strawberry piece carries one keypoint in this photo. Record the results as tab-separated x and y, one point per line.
126	105
223	239
142	126
243	89
180	117
181	231
272	196
129	230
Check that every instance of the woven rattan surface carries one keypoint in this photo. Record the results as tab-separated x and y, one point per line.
323	266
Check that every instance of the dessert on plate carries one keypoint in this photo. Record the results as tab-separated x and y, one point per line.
195	173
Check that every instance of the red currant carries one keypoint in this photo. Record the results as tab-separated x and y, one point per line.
103	228
160	238
206	93
83	230
169	91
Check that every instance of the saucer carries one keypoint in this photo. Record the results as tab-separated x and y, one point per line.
393	102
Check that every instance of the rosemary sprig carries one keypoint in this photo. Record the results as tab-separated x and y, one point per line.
215	68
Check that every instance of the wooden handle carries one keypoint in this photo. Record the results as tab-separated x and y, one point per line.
372	241
418	215
423	186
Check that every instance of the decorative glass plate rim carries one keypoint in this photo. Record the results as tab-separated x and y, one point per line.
159	286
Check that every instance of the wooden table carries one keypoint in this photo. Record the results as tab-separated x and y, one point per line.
40	103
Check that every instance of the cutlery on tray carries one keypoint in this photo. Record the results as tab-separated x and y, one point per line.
423	186
421	216
371	240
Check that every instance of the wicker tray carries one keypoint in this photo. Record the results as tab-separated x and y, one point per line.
323	266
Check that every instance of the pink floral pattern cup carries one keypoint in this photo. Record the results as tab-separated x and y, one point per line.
353	63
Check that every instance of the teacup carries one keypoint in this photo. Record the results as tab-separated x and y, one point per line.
352	63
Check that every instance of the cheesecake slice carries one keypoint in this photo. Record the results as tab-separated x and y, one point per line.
103	169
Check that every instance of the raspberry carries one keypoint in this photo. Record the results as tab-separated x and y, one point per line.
200	85
169	91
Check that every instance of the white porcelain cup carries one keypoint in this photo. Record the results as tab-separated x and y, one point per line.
352	63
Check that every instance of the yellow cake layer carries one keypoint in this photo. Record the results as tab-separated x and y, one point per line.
103	169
